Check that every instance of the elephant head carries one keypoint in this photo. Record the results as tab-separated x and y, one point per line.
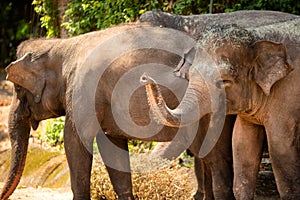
36	97
248	69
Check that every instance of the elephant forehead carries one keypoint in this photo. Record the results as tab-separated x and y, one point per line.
219	35
231	65
225	64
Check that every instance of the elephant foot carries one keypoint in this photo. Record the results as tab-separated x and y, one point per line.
126	196
198	196
202	196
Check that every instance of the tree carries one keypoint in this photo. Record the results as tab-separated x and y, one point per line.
18	22
62	7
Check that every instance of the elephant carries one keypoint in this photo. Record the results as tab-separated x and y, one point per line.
44	76
194	25
82	78
254	74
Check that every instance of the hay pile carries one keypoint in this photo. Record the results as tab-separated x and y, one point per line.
152	178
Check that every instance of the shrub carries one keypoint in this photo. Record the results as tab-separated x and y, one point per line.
54	131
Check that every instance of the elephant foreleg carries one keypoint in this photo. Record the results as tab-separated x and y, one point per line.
220	161
247	146
284	149
80	163
115	155
203	175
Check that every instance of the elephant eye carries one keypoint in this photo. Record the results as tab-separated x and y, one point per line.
223	83
17	88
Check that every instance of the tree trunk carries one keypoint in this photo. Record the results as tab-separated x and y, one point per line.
62	6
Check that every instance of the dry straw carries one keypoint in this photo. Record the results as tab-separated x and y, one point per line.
152	179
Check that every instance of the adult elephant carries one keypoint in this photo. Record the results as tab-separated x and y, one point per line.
259	69
195	25
93	80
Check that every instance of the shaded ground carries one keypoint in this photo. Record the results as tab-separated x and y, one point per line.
44	172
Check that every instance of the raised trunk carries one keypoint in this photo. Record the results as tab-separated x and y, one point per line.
19	130
195	104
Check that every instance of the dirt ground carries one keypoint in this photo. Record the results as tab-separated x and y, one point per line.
266	188
41	194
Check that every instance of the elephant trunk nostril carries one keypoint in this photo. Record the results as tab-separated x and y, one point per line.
145	79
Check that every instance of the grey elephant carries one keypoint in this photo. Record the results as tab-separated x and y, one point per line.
86	78
259	70
195	25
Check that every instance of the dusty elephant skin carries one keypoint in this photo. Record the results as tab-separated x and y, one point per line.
194	25
44	81
259	70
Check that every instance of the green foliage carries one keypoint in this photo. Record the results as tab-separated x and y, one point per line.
137	146
189	7
16	25
48	12
54	136
289	6
186	160
87	15
83	16
54	131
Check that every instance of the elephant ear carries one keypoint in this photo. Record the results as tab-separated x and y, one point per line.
22	73
271	64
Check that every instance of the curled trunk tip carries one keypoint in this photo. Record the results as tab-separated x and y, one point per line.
187	112
146	79
162	114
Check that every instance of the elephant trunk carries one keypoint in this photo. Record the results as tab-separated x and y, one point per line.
195	104
19	130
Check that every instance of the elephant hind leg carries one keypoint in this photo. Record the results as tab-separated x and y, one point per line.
115	155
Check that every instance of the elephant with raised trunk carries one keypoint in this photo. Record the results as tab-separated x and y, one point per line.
55	77
195	25
255	74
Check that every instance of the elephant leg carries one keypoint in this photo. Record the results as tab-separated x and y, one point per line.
222	179
247	143
217	165
115	155
284	150
220	162
203	175
80	162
